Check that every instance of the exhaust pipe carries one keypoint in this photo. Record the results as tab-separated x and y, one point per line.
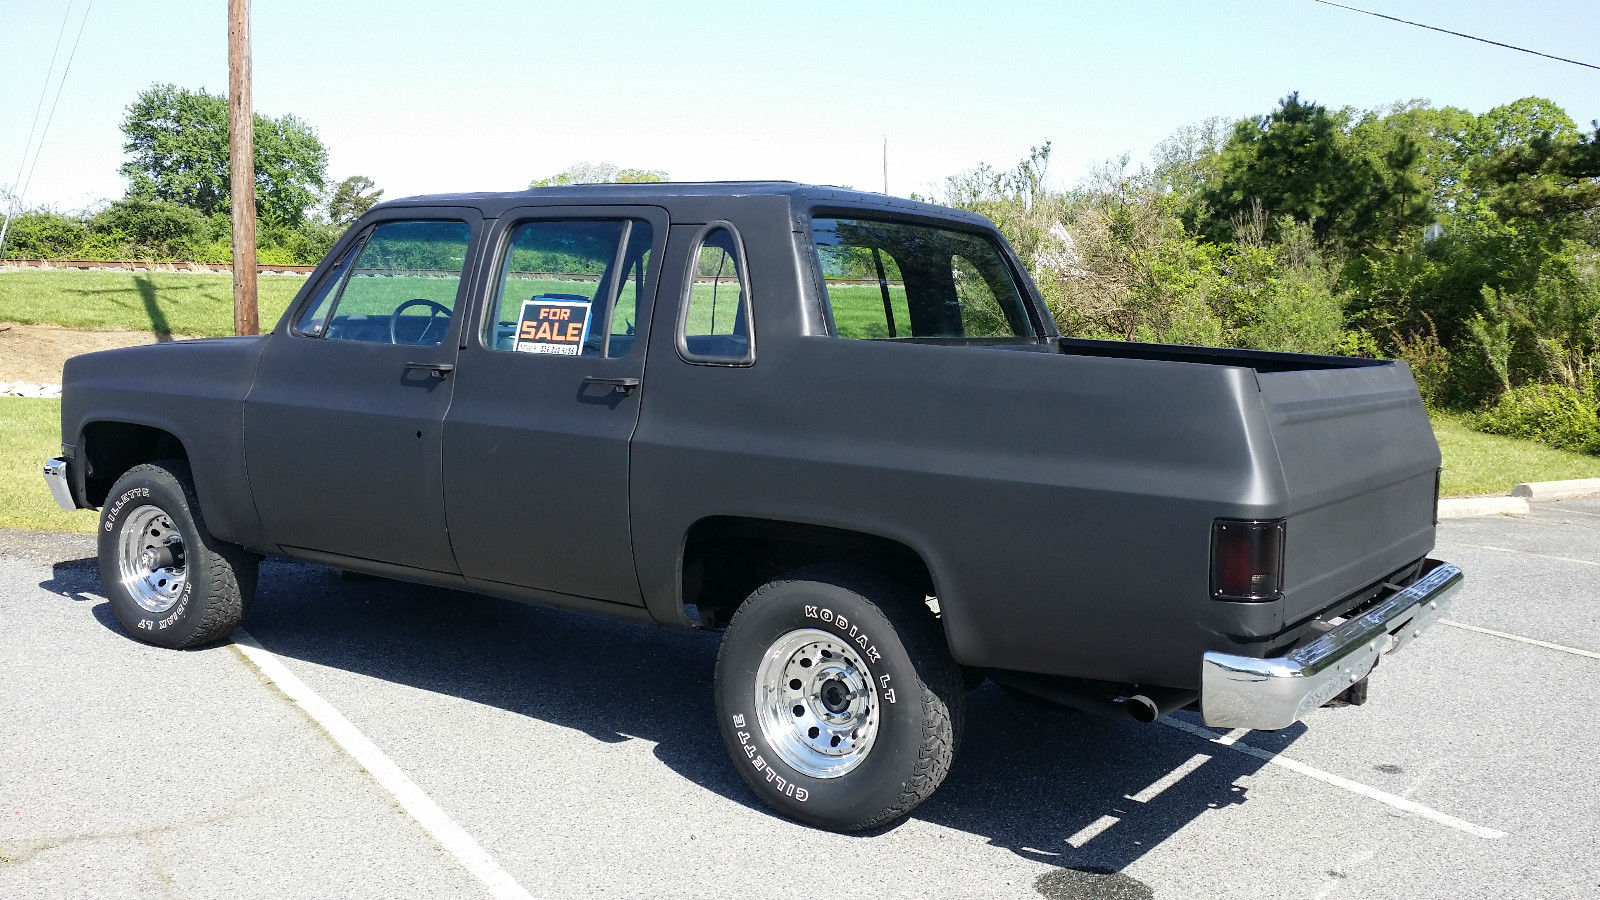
1153	703
1098	697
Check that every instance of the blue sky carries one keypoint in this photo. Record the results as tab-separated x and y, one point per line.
432	96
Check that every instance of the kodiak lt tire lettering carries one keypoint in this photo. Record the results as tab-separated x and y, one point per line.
837	698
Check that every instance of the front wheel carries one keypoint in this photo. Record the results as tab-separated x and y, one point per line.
169	581
837	698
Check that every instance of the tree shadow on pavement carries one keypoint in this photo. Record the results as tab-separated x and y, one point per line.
1054	786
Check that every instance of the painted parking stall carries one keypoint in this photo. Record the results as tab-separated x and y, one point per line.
579	775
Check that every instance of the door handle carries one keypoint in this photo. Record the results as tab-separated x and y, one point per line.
625	385
437	370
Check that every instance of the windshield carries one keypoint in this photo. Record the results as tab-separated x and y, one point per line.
896	280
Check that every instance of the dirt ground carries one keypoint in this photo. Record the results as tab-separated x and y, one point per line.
34	353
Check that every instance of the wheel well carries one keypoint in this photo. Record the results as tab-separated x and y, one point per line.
112	448
727	557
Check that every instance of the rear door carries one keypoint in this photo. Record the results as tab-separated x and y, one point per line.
547	394
343	424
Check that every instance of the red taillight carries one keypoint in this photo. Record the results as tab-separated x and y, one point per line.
1246	560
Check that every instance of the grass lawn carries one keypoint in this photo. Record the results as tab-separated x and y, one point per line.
858	310
30	433
1474	463
1478	463
157	302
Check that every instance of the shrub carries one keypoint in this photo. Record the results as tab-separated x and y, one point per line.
1552	413
153	228
1429	362
1285	298
41	234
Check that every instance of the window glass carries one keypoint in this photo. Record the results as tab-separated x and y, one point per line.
315	317
400	289
900	280
716	314
557	283
625	313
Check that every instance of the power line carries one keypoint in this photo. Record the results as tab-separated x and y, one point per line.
1470	37
71	54
22	164
44	91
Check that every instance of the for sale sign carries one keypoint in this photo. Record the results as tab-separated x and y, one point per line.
553	326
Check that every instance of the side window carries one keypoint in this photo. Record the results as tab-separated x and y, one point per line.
714	324
631	296
398	287
866	290
315	316
982	311
892	279
570	287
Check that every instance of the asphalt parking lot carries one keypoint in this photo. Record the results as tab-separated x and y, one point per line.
579	758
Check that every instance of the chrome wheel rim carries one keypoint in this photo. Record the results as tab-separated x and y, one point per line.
816	703
150	559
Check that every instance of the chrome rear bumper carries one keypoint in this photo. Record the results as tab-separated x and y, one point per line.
55	475
1268	694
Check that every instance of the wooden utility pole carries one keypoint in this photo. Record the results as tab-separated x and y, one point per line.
242	169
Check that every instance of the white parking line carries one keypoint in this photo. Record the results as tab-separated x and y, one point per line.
1520	639
1091	831
1355	787
1170	779
383	769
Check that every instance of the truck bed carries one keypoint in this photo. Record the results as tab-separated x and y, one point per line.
1359	463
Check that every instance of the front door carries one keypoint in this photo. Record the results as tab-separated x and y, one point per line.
546	398
343	427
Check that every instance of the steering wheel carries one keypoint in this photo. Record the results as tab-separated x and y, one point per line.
435	311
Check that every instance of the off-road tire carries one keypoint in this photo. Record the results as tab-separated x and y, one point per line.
918	690
219	577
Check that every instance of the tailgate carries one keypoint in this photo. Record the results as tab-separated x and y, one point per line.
1359	461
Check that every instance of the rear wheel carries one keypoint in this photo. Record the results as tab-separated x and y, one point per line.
169	581
837	698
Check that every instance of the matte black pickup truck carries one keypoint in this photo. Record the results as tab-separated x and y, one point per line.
840	427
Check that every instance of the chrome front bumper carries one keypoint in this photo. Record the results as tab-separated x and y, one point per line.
55	475
1268	694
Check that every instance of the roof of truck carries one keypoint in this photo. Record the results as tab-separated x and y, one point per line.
800	195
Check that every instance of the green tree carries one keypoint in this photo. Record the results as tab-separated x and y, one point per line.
1550	176
1297	161
1438	135
1186	162
351	199
177	143
599	173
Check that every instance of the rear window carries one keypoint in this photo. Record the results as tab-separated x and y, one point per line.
897	280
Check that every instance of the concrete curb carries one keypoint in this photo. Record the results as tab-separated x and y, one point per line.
1469	507
24	389
1516	504
1557	490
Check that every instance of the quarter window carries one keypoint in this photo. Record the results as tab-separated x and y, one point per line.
398	287
714	326
571	287
903	280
